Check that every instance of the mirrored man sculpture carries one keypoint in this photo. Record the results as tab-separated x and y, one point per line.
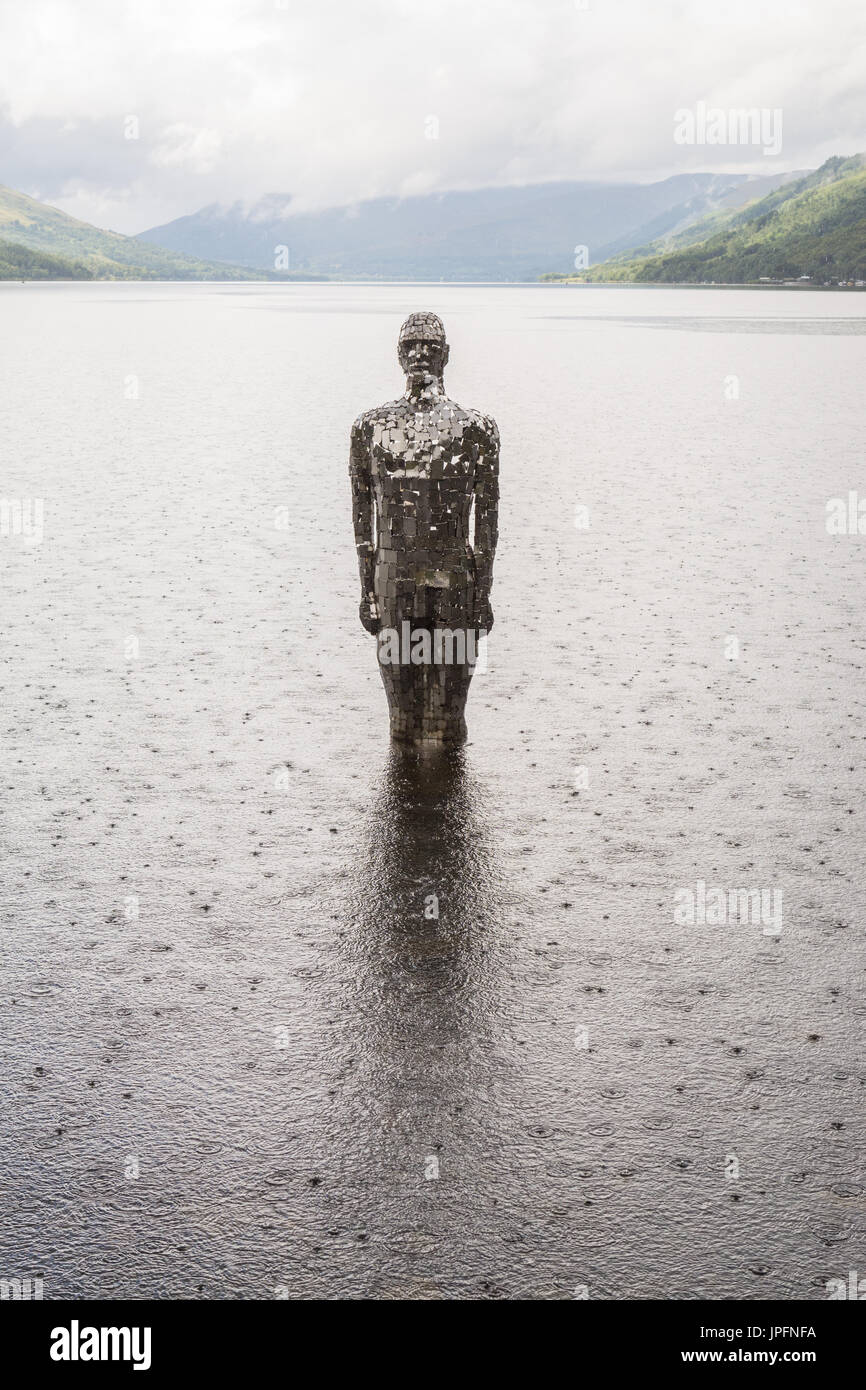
420	467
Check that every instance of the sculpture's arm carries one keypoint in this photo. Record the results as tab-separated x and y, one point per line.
363	517
486	520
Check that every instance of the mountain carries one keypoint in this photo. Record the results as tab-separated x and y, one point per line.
64	248
812	228
509	234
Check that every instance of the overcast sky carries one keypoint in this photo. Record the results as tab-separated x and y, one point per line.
331	100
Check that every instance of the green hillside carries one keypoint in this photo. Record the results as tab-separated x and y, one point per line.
84	252
20	263
815	227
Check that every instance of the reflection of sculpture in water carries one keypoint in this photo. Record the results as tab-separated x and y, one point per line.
426	903
426	834
417	466
428	992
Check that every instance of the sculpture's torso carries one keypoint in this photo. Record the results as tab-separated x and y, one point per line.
422	467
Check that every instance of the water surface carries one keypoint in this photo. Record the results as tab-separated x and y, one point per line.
281	1043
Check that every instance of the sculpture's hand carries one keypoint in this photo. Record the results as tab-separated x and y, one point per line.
368	612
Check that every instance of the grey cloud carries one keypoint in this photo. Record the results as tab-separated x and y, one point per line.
338	102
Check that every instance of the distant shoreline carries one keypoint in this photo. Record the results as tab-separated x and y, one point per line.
700	285
459	284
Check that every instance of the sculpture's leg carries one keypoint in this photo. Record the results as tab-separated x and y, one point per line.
427	701
443	719
396	606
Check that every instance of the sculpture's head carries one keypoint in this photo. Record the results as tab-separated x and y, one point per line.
422	349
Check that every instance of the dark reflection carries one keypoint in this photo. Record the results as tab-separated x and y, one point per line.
426	988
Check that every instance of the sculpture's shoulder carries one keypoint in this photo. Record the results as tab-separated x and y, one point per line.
484	427
363	426
472	422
